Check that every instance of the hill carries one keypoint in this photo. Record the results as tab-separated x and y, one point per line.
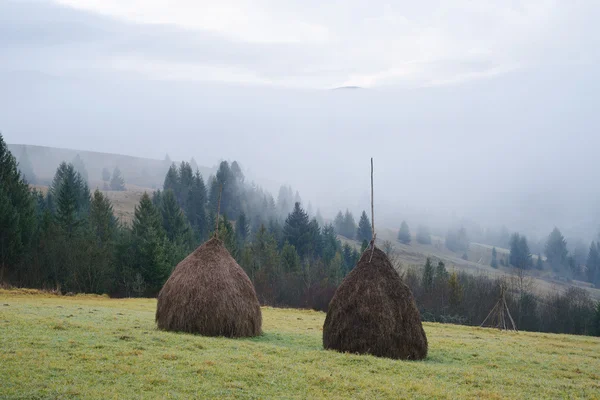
143	172
478	261
95	347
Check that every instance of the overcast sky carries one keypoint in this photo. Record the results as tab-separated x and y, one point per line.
484	109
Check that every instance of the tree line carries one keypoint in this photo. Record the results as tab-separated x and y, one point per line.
463	298
68	239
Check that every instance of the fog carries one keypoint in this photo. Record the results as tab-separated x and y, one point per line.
516	148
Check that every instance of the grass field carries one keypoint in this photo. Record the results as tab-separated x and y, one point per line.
95	347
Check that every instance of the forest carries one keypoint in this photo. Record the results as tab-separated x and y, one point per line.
68	240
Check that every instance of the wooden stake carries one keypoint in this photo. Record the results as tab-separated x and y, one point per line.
218	211
373	234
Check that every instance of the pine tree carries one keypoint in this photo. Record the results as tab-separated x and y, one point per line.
494	262
296	230
17	213
79	166
227	235
331	244
520	257
196	207
71	197
404	233
172	179
593	264
117	181
102	218
149	252
428	275
290	260
194	164
556	250
174	222
98	274
185	183
441	273
338	223
242	230
349	225
423	235
364	228
26	167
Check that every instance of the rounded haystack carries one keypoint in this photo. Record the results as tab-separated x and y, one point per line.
208	293
374	312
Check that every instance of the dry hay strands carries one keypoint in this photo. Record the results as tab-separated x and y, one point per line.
208	293
374	312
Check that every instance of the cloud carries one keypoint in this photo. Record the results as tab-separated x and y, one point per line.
305	44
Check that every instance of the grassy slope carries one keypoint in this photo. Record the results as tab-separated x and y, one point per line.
479	258
94	347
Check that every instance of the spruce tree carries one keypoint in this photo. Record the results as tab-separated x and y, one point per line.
315	240
404	233
338	223
100	271
17	213
242	230
196	207
539	265
296	230
290	260
349	230
70	198
520	257
364	228
556	250
149	253
331	244
185	183
174	222
593	264
117	181
79	166
171	179
441	273
428	275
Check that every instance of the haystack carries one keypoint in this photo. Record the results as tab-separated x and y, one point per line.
208	293
374	312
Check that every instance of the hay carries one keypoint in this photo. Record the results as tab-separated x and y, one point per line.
374	312
208	293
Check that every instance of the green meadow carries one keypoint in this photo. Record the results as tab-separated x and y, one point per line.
100	348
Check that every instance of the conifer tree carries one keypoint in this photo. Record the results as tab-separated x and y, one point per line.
349	230
520	257
17	213
556	250
242	230
171	179
539	265
149	253
296	230
338	223
456	290
364	228
404	233
185	183
174	222
117	181
196	207
593	264
79	166
428	275
441	273
290	260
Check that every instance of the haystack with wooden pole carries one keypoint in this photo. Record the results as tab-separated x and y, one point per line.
373	311
209	294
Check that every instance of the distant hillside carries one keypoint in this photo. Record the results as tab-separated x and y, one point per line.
144	172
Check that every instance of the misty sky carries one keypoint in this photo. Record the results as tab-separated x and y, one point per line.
481	109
